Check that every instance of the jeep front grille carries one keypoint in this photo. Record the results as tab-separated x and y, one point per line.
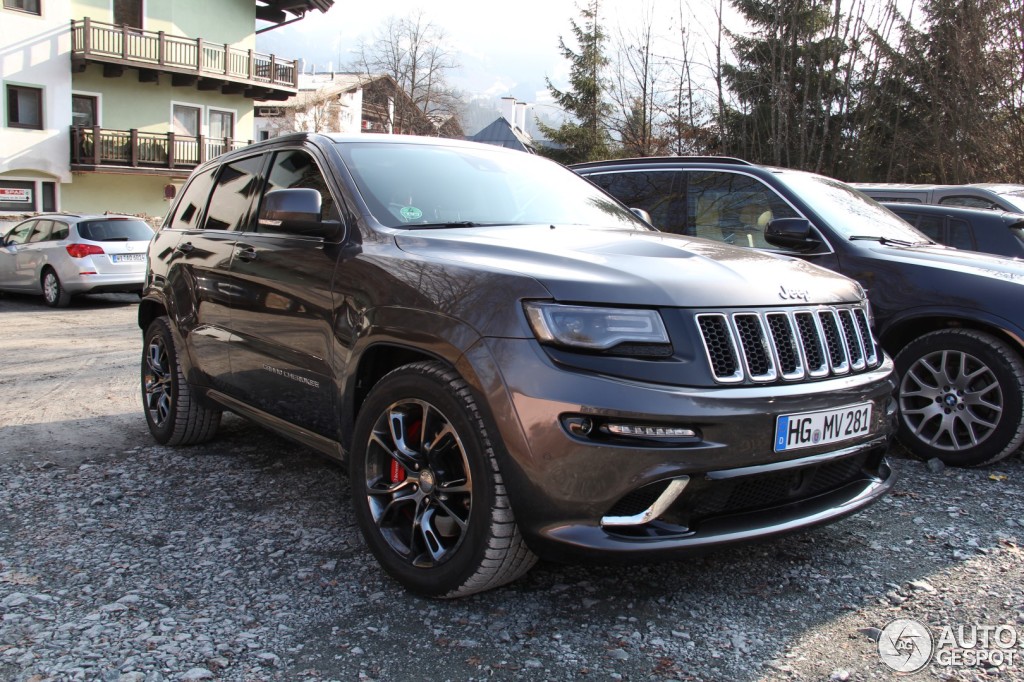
788	345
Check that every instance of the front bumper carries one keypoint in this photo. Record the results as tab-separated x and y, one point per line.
571	492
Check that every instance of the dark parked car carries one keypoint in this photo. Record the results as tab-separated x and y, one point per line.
971	229
511	363
952	319
60	255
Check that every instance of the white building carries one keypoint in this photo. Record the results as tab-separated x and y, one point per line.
35	66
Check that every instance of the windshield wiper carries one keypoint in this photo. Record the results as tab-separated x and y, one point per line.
886	241
437	226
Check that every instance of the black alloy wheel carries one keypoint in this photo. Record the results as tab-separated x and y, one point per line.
427	491
960	397
174	416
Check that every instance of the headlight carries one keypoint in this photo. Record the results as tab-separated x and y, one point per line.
594	328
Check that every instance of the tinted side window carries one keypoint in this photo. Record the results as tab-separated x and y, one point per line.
732	208
60	231
193	201
960	234
20	234
237	184
969	202
931	226
41	231
895	200
660	193
296	168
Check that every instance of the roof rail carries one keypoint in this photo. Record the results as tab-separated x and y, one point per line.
730	160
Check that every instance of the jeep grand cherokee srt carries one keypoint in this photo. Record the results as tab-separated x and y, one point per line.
509	361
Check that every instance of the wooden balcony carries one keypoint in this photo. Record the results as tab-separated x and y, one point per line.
189	62
131	151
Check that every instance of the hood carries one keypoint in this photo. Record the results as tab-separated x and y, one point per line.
954	261
624	267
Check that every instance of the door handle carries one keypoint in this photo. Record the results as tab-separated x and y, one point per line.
245	253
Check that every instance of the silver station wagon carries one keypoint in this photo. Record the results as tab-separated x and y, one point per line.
61	255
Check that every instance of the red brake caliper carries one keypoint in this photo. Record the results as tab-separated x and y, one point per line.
397	470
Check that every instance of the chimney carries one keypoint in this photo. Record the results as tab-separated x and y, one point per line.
508	109
521	116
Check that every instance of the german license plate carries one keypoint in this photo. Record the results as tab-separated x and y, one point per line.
128	257
809	429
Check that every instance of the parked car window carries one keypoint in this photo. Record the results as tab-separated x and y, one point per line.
968	202
296	168
732	208
236	186
115	230
60	231
960	235
41	231
659	192
928	224
896	200
20	234
192	202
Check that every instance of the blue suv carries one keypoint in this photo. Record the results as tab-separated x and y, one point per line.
952	319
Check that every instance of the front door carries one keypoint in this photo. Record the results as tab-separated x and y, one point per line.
281	361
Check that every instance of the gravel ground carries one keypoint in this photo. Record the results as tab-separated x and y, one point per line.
125	561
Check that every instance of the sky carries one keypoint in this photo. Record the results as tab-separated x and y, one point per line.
507	49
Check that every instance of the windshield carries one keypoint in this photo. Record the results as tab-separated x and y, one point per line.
420	186
115	230
847	211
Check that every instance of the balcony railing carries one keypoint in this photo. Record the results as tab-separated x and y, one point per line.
98	41
95	148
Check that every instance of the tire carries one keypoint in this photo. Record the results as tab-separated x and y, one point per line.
426	487
960	397
174	415
54	293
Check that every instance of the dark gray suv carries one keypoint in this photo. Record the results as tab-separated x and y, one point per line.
509	361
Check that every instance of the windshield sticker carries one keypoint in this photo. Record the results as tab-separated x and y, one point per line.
411	213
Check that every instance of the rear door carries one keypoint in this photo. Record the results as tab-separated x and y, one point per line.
281	358
195	260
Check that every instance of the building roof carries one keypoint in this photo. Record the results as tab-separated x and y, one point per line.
322	86
501	133
277	11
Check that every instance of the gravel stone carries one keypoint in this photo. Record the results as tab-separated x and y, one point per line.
240	561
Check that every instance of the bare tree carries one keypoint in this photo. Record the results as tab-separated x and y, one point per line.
636	91
412	50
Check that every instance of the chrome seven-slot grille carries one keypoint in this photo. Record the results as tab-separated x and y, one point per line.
788	344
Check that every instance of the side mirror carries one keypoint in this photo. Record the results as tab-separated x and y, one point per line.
295	211
791	233
642	215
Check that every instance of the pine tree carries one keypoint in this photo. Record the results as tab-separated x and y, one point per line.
586	137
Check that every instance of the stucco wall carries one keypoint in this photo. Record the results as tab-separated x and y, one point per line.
99	192
231	22
125	103
35	52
